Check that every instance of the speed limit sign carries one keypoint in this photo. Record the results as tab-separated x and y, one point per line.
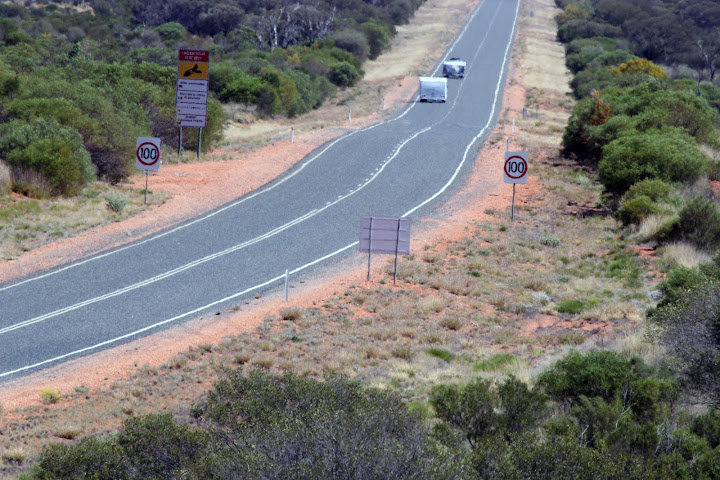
515	168
147	156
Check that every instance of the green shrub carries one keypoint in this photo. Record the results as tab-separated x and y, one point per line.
267	426
521	408
497	362
156	446
668	155
600	373
707	426
352	41
699	223
116	202
101	456
570	306
689	331
678	281
653	188
440	353
469	408
46	147
635	210
378	37
344	74
549	240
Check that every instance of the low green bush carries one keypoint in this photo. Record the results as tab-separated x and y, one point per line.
570	306
707	426
599	373
699	223
635	210
669	155
116	202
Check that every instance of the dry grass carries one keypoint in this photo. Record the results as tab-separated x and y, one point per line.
685	255
28	223
5	180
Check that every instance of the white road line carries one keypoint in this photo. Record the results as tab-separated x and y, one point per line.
214	256
171	320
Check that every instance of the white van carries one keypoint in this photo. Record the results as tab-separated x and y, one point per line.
432	89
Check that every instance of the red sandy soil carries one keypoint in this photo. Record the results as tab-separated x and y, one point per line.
199	187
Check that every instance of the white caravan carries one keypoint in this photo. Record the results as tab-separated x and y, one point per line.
432	89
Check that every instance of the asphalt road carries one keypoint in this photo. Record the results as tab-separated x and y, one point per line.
405	166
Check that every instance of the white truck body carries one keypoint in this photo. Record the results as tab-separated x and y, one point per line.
454	68
432	89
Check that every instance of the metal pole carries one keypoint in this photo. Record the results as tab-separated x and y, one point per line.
349	115
147	181
507	144
292	134
180	142
397	248
199	142
370	248
512	214
287	283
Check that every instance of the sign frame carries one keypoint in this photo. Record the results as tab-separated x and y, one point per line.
144	159
512	173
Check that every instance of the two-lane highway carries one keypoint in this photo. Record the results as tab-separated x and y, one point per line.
403	167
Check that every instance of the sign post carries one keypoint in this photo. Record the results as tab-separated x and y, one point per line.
515	171
147	157
385	235
192	91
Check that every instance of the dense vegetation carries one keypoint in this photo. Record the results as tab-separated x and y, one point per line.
649	129
79	83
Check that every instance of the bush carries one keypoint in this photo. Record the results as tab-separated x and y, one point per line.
652	188
699	223
690	332
469	408
570	306
352	41
50	395
635	210
46	147
677	282
599	373
707	426
116	202
266	426
668	155
521	408
344	74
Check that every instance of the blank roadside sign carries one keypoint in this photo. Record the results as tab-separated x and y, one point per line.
385	234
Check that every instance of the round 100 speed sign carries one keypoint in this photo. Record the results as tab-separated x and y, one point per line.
515	168
147	156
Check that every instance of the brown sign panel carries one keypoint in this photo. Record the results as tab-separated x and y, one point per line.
385	234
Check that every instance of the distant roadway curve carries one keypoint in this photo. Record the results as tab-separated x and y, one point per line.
310	216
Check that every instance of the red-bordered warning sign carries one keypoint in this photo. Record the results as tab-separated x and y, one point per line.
147	154
515	167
